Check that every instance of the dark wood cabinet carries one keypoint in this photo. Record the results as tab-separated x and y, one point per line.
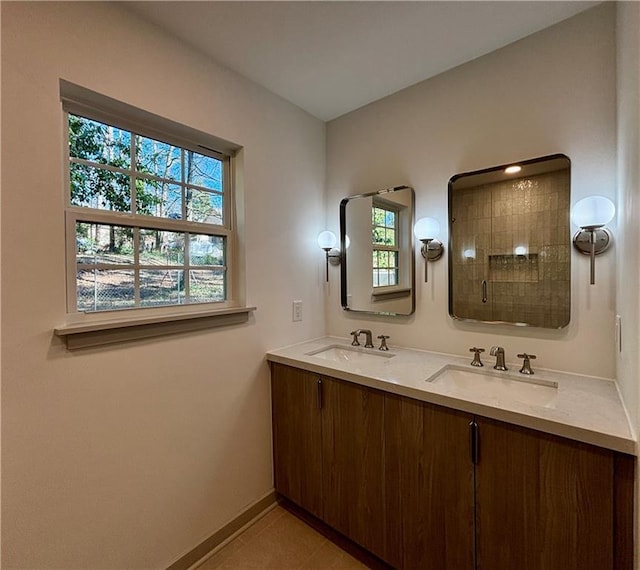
429	477
423	486
353	462
328	447
297	437
548	502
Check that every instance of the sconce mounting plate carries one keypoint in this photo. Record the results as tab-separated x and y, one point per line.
582	241
433	249
334	256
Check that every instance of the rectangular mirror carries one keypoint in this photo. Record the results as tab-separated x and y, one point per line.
376	237
509	244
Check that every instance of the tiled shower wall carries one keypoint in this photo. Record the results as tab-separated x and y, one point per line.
513	235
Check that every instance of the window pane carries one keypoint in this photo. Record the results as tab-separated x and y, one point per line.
204	207
390	238
161	287
102	290
93	187
379	236
206	250
98	142
207	286
158	158
103	243
161	199
117	265
390	219
161	248
203	170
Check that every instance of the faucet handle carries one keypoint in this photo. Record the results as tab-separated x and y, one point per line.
526	363
383	342
476	357
354	342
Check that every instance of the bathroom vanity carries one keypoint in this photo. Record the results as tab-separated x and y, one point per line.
401	453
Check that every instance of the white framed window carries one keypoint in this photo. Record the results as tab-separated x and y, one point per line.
385	220
149	215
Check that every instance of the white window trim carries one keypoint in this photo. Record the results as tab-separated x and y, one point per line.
110	331
105	327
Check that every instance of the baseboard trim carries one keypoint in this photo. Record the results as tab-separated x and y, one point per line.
226	532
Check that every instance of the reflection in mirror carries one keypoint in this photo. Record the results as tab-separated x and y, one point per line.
378	264
509	254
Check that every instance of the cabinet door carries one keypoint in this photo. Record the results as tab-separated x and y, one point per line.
297	436
353	457
430	504
543	502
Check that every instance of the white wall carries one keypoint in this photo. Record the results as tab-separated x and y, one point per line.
129	456
628	247
551	92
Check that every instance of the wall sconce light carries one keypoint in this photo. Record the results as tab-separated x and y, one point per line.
591	214
327	241
427	231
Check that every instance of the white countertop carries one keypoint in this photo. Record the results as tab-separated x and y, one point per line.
585	408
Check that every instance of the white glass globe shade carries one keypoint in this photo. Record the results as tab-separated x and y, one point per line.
520	250
593	211
326	239
469	253
426	228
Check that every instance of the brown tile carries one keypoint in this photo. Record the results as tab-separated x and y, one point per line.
329	556
285	544
231	549
219	558
263	523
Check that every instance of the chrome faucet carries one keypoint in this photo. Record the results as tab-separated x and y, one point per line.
368	337
498	352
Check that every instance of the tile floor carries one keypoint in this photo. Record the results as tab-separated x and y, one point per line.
281	540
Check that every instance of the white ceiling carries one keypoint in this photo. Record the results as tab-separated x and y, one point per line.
331	57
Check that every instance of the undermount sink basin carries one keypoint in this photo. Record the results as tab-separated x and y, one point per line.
354	354
496	386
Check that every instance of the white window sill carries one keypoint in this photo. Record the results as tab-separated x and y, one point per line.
384	294
124	328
